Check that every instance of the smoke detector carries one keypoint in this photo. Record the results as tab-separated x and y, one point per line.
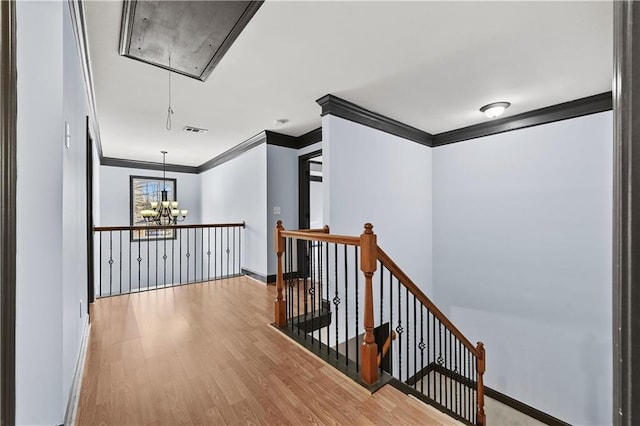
192	129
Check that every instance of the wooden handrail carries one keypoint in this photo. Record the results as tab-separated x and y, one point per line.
317	236
386	346
323	230
415	290
143	227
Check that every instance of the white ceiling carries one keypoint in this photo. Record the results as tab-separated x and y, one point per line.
428	64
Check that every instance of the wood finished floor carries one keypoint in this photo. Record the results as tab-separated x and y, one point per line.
205	354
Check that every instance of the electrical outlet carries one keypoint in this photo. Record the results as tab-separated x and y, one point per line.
276	210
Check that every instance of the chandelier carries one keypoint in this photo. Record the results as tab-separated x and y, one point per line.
164	212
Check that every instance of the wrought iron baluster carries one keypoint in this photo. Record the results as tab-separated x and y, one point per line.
164	260
188	255
208	254
110	261
180	258
336	299
415	346
228	252
406	292
421	346
305	296
234	251
173	256
239	250
120	263
100	263
328	330
139	260
391	311
399	330
156	265
440	360
346	305
357	323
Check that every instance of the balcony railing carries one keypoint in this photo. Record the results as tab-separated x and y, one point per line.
131	259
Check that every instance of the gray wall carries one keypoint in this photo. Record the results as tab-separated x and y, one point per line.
51	226
115	198
372	176
522	260
236	191
282	192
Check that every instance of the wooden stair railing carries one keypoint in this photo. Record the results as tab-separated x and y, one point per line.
369	357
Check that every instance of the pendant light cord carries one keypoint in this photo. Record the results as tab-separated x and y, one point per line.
169	110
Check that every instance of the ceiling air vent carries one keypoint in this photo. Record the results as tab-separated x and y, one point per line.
192	129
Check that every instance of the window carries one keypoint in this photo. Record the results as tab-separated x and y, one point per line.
144	190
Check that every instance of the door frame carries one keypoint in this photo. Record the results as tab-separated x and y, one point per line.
8	176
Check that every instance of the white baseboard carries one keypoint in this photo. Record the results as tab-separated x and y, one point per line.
74	393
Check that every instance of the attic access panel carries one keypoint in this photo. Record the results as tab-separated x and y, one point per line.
197	34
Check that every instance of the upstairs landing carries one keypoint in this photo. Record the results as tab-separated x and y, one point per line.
206	354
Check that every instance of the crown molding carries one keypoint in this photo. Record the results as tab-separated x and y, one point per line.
78	22
234	152
572	109
309	138
333	105
279	139
147	165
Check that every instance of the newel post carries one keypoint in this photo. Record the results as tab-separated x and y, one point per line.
279	246
482	421
368	264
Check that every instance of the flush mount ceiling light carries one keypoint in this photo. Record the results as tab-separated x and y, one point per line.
281	122
494	109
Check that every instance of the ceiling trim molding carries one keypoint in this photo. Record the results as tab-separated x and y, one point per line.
234	152
147	165
309	138
333	105
572	109
279	139
78	22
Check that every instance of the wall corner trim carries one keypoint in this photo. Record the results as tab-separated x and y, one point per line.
572	109
333	105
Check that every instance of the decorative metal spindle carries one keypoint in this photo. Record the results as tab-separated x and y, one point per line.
422	346
346	305
305	295
215	263
309	293
390	308
164	259
208	254
228	252
291	280
221	254
188	255
326	257
180	257
298	296
233	240
408	329
202	254
457	376
148	263
313	290
100	263
440	360
156	265
429	344
239	250
139	260
357	323
399	330
120	263
130	272
110	261
415	345
336	299
381	292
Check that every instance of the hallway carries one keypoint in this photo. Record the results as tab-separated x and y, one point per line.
206	354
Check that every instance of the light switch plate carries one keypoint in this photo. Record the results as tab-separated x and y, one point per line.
67	134
276	210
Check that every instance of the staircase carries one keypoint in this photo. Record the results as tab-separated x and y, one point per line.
344	299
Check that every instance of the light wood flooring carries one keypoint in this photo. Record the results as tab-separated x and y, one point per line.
205	354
